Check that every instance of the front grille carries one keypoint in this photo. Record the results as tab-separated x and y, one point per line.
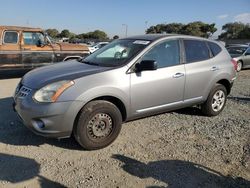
23	92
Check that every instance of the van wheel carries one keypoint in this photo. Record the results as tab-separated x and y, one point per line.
216	101
98	125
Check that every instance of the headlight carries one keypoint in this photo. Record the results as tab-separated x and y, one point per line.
51	92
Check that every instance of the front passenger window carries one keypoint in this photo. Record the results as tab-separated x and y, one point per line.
166	54
33	38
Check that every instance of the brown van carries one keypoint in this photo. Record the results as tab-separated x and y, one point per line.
27	48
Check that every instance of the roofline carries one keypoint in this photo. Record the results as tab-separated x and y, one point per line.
156	37
3	27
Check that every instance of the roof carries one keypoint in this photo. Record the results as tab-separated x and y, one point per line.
238	45
150	37
18	28
154	37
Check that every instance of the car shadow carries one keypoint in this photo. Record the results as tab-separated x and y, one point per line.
192	111
16	169
177	173
13	132
240	99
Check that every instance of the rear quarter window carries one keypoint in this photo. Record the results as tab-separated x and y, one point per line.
215	48
196	50
10	37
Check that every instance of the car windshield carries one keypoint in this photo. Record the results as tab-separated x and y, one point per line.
116	53
237	50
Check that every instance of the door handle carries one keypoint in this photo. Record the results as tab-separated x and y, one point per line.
178	75
214	68
26	48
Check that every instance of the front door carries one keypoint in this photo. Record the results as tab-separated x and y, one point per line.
35	51
153	91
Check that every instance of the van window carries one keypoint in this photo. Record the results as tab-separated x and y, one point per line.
10	37
33	38
215	48
166	54
196	51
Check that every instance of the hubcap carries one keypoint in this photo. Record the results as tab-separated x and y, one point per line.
100	126
239	66
218	100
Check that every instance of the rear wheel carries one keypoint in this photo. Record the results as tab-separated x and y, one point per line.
98	125
216	101
239	66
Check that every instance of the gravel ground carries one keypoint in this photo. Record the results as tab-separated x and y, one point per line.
176	149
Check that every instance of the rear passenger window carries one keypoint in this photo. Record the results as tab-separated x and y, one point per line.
215	48
196	51
10	37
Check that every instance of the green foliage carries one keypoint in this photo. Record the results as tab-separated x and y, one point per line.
65	33
52	32
194	28
235	30
97	34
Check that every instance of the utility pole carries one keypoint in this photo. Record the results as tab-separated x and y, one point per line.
126	29
146	26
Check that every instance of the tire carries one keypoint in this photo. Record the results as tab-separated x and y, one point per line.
215	102
239	66
98	125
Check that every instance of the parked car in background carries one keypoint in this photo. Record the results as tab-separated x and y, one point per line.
27	48
241	54
152	74
97	46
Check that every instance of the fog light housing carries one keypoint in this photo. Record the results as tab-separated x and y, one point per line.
38	125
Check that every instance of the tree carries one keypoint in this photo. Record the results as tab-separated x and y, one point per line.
52	32
235	30
194	28
97	34
159	28
115	37
174	28
65	33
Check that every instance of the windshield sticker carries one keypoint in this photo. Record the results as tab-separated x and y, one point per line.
144	42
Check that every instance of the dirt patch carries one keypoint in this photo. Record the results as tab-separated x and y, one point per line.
176	149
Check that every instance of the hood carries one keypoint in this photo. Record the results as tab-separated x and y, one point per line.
68	70
69	47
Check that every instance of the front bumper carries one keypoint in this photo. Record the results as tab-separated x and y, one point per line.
47	119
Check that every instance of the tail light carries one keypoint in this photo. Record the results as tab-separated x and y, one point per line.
234	63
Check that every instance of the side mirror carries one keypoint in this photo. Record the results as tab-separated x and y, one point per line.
40	43
247	54
146	65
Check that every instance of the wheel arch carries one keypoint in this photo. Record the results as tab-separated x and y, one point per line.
114	100
225	83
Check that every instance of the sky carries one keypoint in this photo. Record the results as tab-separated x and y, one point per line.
112	16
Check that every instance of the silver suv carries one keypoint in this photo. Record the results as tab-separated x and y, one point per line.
127	79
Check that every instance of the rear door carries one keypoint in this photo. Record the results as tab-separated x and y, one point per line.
200	69
10	54
35	51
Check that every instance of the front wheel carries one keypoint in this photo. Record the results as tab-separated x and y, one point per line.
216	101
98	125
